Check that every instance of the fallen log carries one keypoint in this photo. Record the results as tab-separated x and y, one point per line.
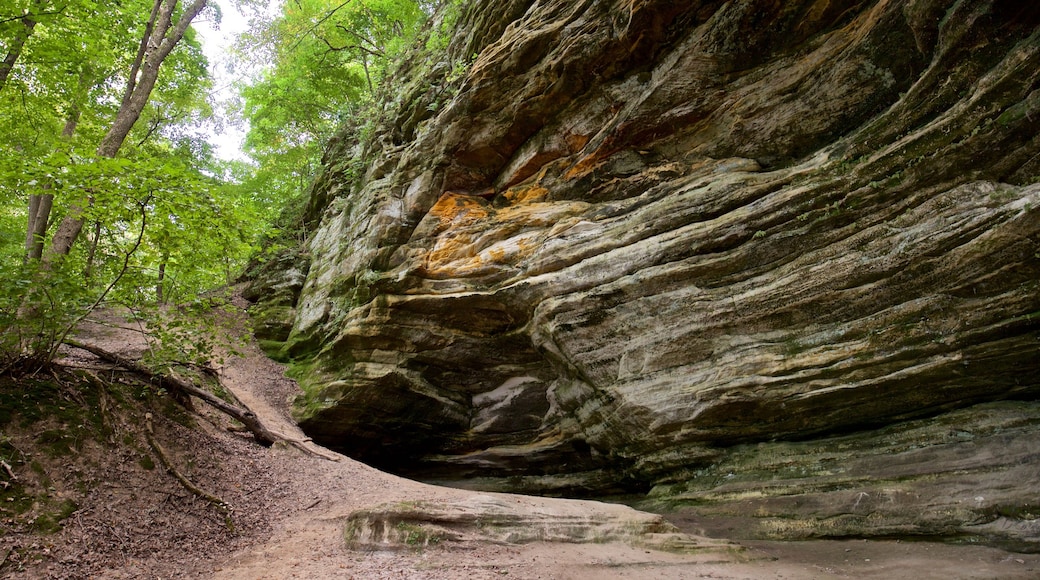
249	420
170	381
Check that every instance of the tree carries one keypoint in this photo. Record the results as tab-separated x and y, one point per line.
161	35
20	26
60	74
327	57
124	158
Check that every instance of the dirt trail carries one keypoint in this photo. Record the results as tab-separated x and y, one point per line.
294	507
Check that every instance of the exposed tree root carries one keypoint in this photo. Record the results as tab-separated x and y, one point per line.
184	481
252	423
9	471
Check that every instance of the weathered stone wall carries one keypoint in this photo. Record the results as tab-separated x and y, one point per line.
635	234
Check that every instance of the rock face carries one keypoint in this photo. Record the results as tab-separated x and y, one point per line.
639	240
966	475
506	520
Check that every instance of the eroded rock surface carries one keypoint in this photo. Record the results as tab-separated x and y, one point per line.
515	520
966	475
638	233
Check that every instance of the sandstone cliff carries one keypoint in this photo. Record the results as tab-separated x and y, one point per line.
750	255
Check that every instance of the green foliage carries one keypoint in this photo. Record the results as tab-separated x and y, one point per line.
440	36
150	214
326	58
164	221
34	322
186	334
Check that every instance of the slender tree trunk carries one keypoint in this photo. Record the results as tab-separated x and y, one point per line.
40	205
15	50
159	284
160	41
39	218
30	228
163	38
142	49
368	77
88	270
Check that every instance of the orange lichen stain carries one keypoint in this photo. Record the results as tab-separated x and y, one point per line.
497	254
460	257
539	215
576	142
449	249
525	194
476	239
453	208
585	166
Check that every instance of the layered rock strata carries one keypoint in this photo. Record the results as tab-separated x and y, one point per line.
508	521
638	235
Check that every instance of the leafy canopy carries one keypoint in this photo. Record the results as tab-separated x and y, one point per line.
325	58
165	219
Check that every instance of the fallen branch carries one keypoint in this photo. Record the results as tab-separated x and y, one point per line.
252	423
7	468
244	416
300	444
184	481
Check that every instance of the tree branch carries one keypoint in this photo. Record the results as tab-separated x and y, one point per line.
184	481
61	10
15	49
314	27
173	382
142	49
183	23
374	51
252	423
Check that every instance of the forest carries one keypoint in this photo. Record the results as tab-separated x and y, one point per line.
110	187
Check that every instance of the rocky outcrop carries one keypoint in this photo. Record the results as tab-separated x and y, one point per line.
275	286
637	237
504	520
967	475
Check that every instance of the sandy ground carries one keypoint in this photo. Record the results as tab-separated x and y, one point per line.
290	508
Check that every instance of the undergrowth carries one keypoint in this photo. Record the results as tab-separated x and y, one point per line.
60	431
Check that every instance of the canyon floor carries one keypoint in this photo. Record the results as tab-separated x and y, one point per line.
289	512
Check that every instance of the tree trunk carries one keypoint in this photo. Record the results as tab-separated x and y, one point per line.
159	284
30	228
88	270
159	42
15	50
368	77
142	49
39	218
40	205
